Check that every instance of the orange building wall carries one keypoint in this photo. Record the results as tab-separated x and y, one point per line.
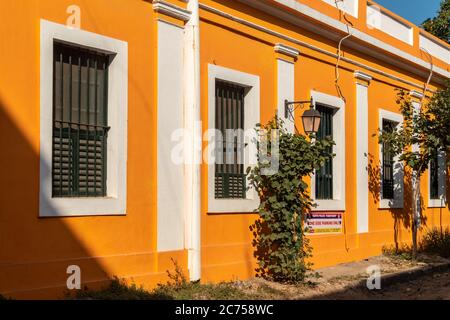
35	252
226	240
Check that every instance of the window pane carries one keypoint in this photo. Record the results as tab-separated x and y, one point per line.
324	176
230	178
434	178
79	122
388	164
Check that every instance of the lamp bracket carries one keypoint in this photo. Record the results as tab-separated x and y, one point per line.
290	106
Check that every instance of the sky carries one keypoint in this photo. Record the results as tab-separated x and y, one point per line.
415	11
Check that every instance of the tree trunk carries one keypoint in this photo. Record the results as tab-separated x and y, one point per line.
416	213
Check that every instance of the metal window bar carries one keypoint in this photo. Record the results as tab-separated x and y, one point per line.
230	178
434	178
388	165
324	176
80	125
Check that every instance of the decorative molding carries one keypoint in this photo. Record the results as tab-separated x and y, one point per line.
351	7
309	46
292	17
416	94
362	76
287	50
434	46
171	10
390	24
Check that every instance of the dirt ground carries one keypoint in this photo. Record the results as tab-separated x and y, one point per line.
400	278
432	287
347	281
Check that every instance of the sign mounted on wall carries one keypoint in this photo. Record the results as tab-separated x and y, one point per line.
324	222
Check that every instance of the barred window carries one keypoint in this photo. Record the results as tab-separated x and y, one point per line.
324	176
434	178
388	164
230	178
80	121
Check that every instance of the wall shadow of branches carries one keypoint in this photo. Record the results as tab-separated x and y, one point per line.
402	217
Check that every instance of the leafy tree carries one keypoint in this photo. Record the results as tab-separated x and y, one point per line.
280	245
440	25
428	130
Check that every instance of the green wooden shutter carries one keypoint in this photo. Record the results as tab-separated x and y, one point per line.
324	176
80	122
230	178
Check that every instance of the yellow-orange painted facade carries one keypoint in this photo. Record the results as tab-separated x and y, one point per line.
35	252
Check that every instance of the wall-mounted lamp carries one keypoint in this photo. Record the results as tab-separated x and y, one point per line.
310	118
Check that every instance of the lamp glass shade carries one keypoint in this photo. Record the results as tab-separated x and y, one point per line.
311	121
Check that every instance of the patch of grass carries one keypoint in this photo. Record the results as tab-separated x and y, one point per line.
434	242
119	290
177	288
404	252
197	291
437	242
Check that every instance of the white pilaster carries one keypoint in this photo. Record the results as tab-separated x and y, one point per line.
285	81
285	90
362	140
170	194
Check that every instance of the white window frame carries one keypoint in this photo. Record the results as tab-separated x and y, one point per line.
442	188
251	118
338	201
398	201
115	201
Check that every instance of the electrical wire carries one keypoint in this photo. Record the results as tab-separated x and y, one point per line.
338	88
339	53
431	73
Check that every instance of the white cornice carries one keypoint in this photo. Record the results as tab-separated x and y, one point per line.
287	50
296	7
172	10
362	76
416	94
314	48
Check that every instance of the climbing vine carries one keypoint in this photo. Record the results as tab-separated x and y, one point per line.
280	246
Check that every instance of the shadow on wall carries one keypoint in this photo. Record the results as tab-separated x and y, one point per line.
402	218
34	252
